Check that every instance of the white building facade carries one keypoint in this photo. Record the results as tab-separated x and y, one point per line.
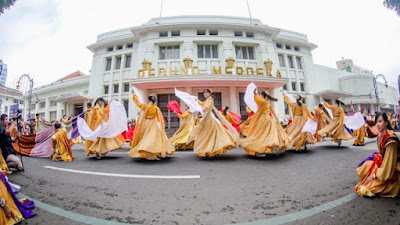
10	98
222	53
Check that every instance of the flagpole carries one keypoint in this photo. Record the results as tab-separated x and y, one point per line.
161	7
248	8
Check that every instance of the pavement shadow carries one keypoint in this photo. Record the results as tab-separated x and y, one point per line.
221	157
104	158
333	147
268	157
165	160
302	152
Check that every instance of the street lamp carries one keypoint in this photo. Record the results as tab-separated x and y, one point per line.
30	80
378	107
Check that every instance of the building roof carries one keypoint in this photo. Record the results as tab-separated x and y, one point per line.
72	75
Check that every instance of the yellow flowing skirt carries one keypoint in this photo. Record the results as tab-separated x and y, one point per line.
10	202
152	143
181	136
294	131
389	188
334	131
104	145
266	136
213	139
359	141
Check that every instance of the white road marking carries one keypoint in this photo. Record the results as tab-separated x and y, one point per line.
124	175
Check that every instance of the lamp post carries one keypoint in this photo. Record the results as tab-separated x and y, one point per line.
378	107
30	80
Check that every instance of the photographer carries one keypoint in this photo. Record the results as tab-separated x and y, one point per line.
7	149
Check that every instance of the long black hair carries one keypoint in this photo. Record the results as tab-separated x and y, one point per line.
208	90
225	110
265	95
385	118
99	100
152	98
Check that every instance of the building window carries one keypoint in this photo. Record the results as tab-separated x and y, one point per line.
201	32
109	49
250	34
284	87
207	51
33	106
294	86
348	69
116	88
53	103
290	61
298	61
278	45
296	48
163	34
126	87
106	89
130	45
176	33
108	64
42	105
169	52
118	62
302	87
286	108
128	59
281	61
126	106
238	33
15	101
53	115
119	47
21	102
288	47
213	32
244	52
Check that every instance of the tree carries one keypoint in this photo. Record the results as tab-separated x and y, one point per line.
6	4
393	5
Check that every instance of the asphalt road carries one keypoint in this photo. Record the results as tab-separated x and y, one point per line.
232	188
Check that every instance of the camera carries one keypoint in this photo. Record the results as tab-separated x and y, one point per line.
18	115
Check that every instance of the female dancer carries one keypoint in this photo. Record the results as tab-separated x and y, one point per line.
300	116
245	125
228	116
336	129
181	136
209	136
265	134
102	146
149	140
379	174
322	120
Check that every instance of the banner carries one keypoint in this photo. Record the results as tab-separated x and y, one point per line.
13	109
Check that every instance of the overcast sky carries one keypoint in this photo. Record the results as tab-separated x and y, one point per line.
48	38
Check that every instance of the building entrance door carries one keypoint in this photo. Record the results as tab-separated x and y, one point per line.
243	113
78	109
172	120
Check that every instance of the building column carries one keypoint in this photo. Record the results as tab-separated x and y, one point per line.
233	97
59	113
47	113
373	110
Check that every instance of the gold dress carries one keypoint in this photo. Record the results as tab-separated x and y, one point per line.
300	117
103	145
91	124
322	121
359	141
149	139
181	136
384	166
209	136
335	129
264	133
61	146
4	193
245	125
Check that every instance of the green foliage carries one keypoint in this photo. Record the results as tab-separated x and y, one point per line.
393	5
6	4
